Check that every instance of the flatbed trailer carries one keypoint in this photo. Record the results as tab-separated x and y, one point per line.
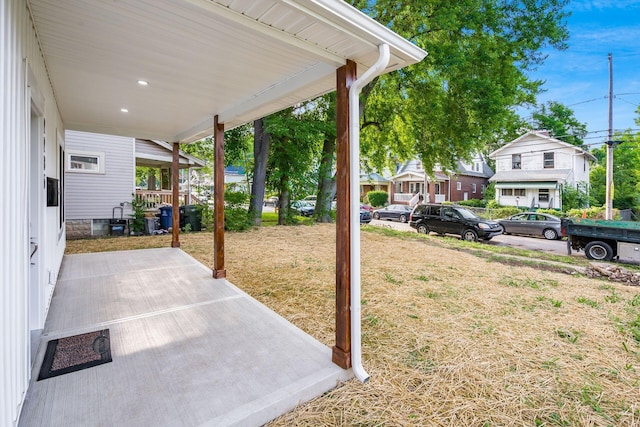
603	240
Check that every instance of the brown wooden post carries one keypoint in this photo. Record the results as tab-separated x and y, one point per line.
175	186
345	75
218	200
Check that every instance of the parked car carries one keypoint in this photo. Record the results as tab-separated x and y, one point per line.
393	213
533	224
365	216
453	220
303	208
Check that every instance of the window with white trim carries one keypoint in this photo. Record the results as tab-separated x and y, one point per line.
458	186
506	192
516	161
543	195
85	162
521	192
549	160
473	187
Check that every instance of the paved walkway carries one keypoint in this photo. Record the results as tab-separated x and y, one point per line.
188	350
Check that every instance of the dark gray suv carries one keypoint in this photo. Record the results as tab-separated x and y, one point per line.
445	219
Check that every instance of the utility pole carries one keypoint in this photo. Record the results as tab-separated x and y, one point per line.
609	178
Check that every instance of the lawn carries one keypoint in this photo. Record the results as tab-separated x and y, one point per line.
450	338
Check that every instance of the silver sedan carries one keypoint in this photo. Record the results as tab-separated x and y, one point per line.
533	224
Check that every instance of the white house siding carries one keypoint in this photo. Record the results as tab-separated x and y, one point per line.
148	147
571	167
94	195
23	303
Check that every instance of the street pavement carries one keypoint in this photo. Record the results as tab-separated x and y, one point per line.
558	247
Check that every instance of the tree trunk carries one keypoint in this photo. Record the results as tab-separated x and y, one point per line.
261	143
283	202
326	182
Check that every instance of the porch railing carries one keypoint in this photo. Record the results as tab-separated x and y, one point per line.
402	197
155	198
406	197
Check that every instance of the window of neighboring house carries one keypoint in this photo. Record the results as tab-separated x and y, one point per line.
484	187
548	160
398	187
419	166
516	161
437	188
85	162
520	192
506	192
543	195
473	187
458	186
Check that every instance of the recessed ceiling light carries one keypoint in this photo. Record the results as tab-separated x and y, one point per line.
143	83
124	110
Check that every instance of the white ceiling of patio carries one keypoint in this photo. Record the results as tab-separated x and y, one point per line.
239	59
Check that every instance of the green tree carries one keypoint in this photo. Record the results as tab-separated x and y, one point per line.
561	123
626	172
295	137
463	94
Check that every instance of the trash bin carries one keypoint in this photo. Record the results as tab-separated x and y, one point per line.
192	215
166	217
150	225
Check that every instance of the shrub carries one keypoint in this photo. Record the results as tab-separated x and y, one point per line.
493	204
236	219
592	213
476	203
378	198
207	216
504	212
137	214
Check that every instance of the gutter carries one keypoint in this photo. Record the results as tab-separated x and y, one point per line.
354	153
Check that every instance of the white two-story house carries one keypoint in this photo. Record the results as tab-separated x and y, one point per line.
532	170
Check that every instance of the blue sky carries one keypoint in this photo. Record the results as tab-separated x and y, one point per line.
579	76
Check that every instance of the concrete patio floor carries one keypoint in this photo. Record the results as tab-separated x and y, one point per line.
188	350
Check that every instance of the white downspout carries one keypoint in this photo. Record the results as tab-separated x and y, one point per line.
354	154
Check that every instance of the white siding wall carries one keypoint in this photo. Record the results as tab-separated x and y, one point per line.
19	52
93	196
148	147
581	169
19	58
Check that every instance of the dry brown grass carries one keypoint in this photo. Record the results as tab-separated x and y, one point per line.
449	339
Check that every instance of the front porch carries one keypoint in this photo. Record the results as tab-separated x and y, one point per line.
187	349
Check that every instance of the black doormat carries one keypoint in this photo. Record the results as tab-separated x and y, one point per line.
75	353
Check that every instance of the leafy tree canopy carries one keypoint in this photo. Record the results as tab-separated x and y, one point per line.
561	123
462	96
626	172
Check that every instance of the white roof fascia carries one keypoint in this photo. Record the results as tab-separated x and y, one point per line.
161	158
359	25
168	146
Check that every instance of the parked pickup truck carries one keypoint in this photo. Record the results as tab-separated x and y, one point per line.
603	240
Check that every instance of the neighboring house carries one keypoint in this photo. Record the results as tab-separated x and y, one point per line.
235	179
373	182
100	178
532	170
468	182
